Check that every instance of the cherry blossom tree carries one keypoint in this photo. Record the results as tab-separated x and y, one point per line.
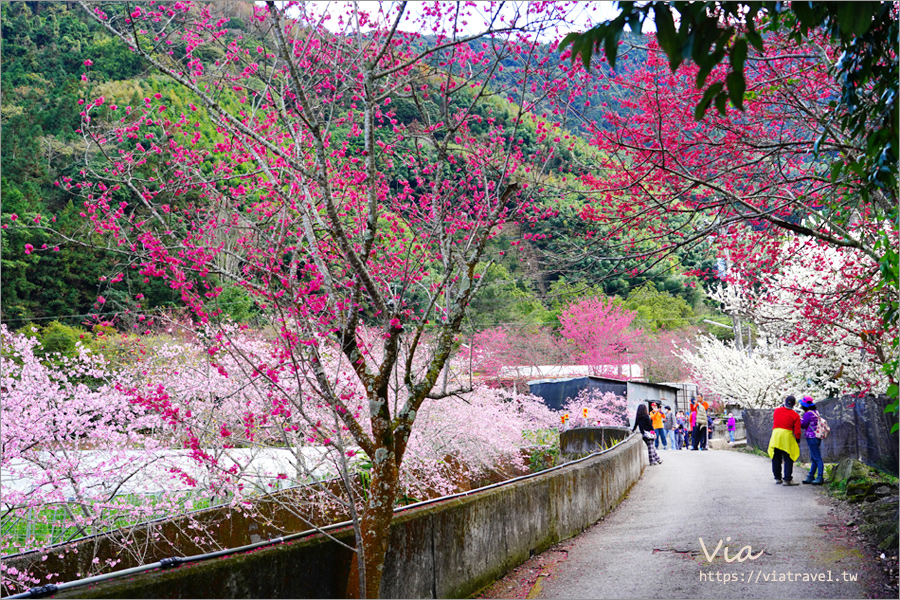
598	330
77	453
529	346
482	431
756	167
818	326
745	184
662	360
604	409
354	178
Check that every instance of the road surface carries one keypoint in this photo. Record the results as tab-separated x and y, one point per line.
782	542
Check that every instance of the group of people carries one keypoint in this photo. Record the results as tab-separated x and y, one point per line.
787	429
658	424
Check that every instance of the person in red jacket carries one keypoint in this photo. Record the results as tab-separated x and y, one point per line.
783	445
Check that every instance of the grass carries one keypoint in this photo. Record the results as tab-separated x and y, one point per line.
42	527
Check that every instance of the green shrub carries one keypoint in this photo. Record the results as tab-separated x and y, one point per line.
236	303
543	457
56	337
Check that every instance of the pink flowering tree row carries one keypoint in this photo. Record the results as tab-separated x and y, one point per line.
169	428
594	332
604	409
76	453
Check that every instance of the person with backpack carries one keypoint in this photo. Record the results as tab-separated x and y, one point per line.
809	422
701	425
690	433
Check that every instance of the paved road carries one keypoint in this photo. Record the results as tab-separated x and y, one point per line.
649	547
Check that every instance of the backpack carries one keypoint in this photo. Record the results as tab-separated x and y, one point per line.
822	428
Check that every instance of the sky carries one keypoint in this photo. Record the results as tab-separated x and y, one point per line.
583	15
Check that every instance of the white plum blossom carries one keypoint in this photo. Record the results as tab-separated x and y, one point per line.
760	380
820	305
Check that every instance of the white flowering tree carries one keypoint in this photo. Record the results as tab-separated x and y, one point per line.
758	380
820	303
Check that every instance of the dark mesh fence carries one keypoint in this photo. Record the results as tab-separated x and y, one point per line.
859	429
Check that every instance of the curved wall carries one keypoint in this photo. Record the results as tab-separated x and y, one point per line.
446	549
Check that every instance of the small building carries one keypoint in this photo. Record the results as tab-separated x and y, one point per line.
640	391
556	391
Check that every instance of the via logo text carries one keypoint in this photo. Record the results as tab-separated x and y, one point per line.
745	553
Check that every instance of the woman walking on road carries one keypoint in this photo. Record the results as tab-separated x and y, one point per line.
642	420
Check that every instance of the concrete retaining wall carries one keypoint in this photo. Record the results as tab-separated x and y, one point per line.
174	537
448	549
721	430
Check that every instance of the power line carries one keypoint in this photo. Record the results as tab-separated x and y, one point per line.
157	309
163	309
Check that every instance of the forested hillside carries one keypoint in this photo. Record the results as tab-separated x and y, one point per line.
45	46
54	56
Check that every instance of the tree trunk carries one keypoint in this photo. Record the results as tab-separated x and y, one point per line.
738	334
376	519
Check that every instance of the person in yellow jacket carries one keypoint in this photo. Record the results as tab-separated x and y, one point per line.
783	446
658	417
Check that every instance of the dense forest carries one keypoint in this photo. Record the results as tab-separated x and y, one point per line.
46	47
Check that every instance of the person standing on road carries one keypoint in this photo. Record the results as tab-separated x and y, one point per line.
732	425
681	423
701	427
669	425
810	422
692	425
658	418
783	446
642	420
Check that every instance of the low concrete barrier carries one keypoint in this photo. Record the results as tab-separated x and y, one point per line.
447	549
721	430
582	441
